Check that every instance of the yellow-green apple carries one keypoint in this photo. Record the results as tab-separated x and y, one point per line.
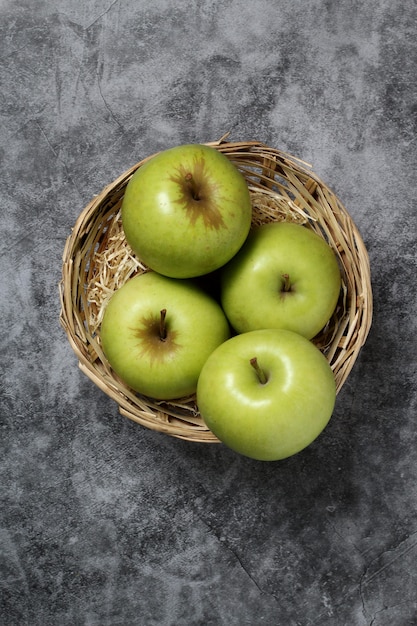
157	332
266	394
284	276
186	211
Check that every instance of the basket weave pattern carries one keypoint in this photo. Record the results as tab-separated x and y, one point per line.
97	260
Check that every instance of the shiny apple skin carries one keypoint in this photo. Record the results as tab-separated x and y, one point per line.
273	420
186	211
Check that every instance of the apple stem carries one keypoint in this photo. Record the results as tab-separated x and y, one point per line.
260	373
190	182
287	283
162	325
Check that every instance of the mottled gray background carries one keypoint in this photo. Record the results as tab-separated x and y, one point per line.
103	522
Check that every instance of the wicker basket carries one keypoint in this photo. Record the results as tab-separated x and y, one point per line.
97	260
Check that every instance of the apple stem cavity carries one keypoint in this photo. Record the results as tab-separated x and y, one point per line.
162	325
263	379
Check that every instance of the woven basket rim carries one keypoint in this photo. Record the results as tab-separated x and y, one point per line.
271	174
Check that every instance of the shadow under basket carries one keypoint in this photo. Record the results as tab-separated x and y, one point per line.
97	260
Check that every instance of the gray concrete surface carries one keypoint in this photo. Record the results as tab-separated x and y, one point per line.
105	523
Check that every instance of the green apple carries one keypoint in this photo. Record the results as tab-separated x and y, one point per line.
274	393
284	276
157	332
186	211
